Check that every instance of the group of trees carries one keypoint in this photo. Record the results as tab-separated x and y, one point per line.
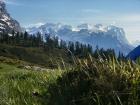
73	48
50	42
21	39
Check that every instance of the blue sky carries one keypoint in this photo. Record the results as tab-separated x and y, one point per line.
122	13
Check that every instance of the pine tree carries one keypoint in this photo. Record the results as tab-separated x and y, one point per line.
71	47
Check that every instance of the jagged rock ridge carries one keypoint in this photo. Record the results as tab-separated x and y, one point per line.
7	23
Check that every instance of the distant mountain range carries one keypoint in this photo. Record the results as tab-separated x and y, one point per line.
96	35
7	23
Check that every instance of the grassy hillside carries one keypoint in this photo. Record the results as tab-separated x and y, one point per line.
35	55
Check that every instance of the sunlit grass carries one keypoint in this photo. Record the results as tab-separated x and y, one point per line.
90	82
24	87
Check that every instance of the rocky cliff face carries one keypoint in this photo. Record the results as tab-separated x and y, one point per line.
7	23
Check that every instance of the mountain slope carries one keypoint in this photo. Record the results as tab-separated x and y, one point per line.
7	23
102	36
133	55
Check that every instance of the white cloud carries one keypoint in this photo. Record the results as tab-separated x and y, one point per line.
130	23
130	18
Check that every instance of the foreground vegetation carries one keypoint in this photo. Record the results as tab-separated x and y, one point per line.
90	82
24	87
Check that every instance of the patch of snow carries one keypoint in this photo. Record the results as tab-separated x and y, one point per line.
1	24
6	17
10	34
2	27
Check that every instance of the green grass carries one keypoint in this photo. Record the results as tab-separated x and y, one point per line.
4	68
90	82
37	56
22	87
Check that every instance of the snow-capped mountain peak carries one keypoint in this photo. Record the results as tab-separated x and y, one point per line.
85	26
95	35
